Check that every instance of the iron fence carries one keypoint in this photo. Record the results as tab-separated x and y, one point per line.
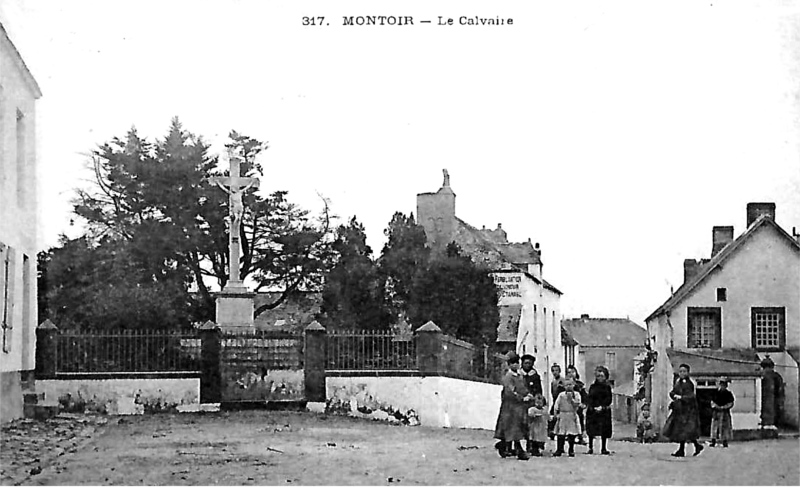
370	350
128	351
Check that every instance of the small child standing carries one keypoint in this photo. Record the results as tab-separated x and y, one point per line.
537	426
645	429
567	424
721	404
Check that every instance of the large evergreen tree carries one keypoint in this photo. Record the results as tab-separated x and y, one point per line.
458	296
352	297
403	256
153	206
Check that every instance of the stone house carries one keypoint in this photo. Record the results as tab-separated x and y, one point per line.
612	342
18	223
530	317
733	309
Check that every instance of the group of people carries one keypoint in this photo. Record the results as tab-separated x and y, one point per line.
573	414
683	423
576	412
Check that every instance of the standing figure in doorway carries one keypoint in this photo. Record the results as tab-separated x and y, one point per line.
683	422
721	404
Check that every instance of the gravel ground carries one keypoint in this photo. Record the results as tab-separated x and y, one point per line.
263	447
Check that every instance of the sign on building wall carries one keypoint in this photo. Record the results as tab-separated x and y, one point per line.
509	285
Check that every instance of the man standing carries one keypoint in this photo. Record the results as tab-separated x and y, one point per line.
534	384
772	393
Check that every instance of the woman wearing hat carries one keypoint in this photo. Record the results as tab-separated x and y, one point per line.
511	426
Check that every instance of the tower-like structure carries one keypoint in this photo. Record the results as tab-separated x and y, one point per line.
436	212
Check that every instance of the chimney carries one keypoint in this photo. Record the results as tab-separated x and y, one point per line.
721	236
755	210
690	269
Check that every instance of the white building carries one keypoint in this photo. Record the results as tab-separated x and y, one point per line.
530	315
18	222
732	310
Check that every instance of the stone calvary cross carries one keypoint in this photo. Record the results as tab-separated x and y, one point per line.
235	303
235	186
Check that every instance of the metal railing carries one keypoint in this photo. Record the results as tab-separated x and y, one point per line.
127	351
370	350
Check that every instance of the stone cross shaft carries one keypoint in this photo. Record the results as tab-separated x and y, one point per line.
235	186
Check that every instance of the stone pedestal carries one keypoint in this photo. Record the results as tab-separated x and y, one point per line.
235	309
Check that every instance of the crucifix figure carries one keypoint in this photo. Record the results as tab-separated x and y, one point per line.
235	186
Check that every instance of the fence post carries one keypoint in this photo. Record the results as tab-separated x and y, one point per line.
429	348
315	357
46	350
210	354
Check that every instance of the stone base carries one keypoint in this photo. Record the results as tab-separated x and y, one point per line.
235	310
10	396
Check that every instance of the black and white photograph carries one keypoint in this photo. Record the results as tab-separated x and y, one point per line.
394	242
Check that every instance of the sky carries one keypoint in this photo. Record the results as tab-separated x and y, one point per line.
614	133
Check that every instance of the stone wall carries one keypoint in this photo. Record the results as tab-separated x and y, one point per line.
121	396
430	401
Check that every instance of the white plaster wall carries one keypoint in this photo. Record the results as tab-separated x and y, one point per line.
437	401
540	324
123	396
18	223
765	272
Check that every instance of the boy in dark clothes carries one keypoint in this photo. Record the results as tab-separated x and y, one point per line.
534	384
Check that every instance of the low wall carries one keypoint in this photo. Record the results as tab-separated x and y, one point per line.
120	396
431	401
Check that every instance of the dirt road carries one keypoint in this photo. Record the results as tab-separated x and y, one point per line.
260	447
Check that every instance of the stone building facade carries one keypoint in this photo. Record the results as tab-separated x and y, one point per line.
18	225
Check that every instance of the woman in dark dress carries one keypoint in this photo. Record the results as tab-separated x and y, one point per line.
683	422
512	422
598	412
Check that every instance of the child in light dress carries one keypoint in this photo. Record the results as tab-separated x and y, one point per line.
568	425
537	425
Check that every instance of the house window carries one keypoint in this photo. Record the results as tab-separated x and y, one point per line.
611	361
704	328
769	328
722	294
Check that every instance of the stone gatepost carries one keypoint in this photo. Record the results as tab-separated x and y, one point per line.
210	364
46	350
429	349
315	357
